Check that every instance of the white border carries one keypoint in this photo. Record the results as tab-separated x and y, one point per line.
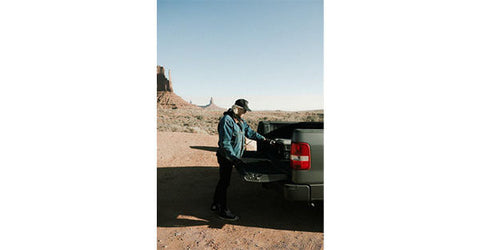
78	130
402	127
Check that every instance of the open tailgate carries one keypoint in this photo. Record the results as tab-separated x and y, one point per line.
261	168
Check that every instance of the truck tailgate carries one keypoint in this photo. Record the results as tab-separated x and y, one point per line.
263	169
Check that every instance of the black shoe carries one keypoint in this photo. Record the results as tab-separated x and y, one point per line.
215	207
228	215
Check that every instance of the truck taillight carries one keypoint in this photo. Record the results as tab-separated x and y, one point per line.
300	156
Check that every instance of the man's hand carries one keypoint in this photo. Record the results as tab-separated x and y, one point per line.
269	141
239	164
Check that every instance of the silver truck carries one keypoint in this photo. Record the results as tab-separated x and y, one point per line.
293	165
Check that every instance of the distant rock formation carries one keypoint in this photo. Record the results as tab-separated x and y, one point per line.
164	84
166	98
211	106
169	100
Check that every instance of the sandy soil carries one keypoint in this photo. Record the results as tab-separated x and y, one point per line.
186	177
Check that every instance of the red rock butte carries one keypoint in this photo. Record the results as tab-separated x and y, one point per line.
166	98
211	106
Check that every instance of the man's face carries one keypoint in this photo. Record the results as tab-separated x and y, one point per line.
241	112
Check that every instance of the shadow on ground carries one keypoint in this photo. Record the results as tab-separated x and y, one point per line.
184	195
213	149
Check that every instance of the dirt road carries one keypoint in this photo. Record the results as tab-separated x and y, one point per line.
186	177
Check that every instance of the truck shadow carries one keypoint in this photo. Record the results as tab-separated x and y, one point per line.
184	195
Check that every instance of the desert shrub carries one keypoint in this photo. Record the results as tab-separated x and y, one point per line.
310	118
175	129
196	130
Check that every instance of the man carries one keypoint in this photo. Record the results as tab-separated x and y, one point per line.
232	130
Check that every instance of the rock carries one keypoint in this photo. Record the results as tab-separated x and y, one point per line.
169	100
163	84
166	99
211	106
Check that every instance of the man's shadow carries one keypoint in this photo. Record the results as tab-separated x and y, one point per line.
213	149
184	195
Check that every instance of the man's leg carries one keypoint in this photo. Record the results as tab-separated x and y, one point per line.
220	197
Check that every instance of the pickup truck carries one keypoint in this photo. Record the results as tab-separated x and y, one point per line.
294	164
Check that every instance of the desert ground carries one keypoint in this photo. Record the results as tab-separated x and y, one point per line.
187	172
205	121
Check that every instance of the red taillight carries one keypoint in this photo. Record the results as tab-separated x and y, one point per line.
300	156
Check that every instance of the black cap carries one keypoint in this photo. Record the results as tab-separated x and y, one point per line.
243	103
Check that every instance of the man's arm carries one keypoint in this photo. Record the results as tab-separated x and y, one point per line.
251	134
225	131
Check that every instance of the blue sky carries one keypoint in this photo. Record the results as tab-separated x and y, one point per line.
268	52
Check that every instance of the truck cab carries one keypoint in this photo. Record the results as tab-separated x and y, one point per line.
294	164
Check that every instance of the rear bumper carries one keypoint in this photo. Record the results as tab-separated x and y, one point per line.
303	192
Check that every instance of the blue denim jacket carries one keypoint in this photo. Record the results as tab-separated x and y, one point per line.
232	135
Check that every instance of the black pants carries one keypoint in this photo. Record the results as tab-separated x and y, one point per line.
220	196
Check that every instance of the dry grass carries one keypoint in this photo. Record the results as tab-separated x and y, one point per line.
205	122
